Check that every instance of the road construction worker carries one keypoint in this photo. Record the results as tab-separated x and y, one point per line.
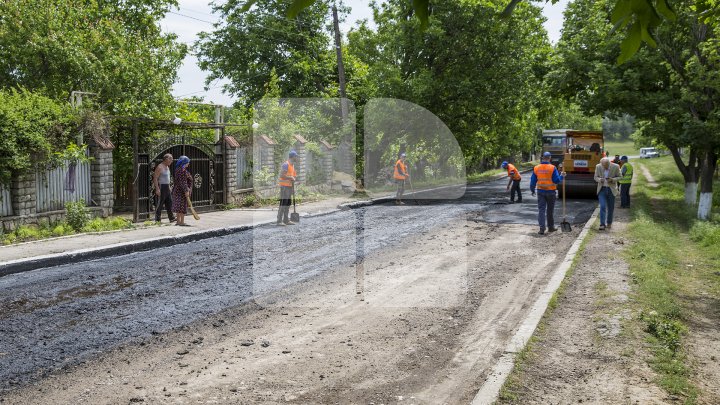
400	175
545	178
626	170
514	181
286	181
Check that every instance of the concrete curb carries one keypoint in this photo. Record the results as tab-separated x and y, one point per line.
490	390
57	259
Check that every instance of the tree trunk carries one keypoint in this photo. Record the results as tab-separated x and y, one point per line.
690	173
709	162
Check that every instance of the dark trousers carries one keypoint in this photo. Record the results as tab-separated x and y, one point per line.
400	188
546	208
166	200
515	188
625	195
285	201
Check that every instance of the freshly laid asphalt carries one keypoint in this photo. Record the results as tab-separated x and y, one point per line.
55	317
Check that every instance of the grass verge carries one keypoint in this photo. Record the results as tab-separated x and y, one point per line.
671	258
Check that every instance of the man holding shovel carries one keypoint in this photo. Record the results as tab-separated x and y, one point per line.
400	174
545	179
286	183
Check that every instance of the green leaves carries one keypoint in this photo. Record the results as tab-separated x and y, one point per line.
631	43
297	6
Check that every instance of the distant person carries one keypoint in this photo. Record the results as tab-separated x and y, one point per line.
606	175
182	189
161	180
545	178
286	181
400	174
513	181
626	170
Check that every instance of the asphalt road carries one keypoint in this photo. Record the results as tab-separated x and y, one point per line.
56	317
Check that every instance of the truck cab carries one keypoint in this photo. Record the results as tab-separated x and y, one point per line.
554	141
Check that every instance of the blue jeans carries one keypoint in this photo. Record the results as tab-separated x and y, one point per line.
546	208
607	205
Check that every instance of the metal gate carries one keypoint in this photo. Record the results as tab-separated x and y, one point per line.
206	167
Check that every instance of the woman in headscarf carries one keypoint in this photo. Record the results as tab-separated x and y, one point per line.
181	190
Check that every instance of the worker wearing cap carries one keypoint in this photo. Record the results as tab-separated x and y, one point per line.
626	170
286	182
514	181
545	179
400	174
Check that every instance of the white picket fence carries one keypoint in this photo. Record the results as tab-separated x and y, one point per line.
5	202
57	186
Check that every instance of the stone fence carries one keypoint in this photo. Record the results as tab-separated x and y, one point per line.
29	192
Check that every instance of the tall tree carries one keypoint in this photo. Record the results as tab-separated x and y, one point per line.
247	45
670	87
479	73
114	48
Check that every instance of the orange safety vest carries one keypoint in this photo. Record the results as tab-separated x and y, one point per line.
397	175
544	174
285	182
511	169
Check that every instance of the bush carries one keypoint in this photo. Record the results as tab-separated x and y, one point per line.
109	224
77	215
248	201
705	233
62	230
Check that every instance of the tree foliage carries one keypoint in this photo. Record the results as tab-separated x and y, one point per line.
672	88
480	74
246	46
114	48
32	128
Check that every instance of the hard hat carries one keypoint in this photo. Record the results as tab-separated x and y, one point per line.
504	164
547	154
625	158
293	154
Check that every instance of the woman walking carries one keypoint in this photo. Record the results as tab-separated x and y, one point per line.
181	190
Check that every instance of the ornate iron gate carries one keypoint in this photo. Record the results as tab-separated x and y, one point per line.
206	167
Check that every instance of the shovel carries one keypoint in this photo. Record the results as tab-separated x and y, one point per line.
294	216
565	225
412	190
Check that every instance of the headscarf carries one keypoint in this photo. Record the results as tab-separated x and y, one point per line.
182	160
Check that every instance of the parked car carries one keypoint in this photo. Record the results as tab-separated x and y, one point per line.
647	153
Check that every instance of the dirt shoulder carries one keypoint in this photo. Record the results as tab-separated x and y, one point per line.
586	349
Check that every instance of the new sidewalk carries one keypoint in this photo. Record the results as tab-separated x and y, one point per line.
209	221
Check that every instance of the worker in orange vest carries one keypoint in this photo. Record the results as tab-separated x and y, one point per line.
514	180
400	174
288	175
545	178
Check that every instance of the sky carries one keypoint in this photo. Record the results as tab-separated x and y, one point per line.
194	16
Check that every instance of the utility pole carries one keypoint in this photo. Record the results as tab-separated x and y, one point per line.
341	68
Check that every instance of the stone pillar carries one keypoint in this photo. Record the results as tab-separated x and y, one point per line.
23	194
301	168
231	174
327	151
102	176
263	153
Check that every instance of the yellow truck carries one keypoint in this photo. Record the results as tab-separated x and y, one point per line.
583	151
